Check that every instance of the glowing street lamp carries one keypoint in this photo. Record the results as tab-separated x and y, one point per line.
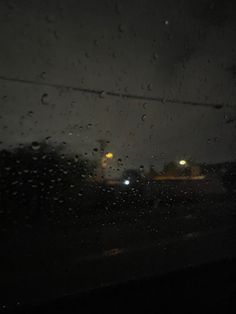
109	155
182	162
105	158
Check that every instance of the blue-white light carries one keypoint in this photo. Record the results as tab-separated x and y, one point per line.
126	182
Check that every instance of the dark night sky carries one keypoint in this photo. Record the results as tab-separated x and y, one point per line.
186	50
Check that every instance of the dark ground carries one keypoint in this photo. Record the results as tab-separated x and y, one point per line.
49	260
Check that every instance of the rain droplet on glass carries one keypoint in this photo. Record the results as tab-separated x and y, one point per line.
35	145
143	118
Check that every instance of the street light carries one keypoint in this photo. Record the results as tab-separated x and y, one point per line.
182	162
109	155
126	182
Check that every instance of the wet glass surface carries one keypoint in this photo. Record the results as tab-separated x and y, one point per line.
117	141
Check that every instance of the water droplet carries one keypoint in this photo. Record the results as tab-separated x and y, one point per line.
155	55
44	99
166	22
121	28
55	34
35	145
144	116
103	94
42	75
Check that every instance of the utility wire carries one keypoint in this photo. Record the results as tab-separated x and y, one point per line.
103	93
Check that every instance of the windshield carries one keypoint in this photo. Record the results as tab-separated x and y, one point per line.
117	142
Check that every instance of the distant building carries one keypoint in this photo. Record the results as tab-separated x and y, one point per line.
180	171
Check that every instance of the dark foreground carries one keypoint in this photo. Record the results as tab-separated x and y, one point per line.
208	288
47	262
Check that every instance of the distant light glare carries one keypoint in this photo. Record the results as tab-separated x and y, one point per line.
109	155
126	182
182	162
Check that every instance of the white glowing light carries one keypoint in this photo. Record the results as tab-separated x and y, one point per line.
126	182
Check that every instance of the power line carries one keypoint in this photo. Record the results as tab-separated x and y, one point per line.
103	93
